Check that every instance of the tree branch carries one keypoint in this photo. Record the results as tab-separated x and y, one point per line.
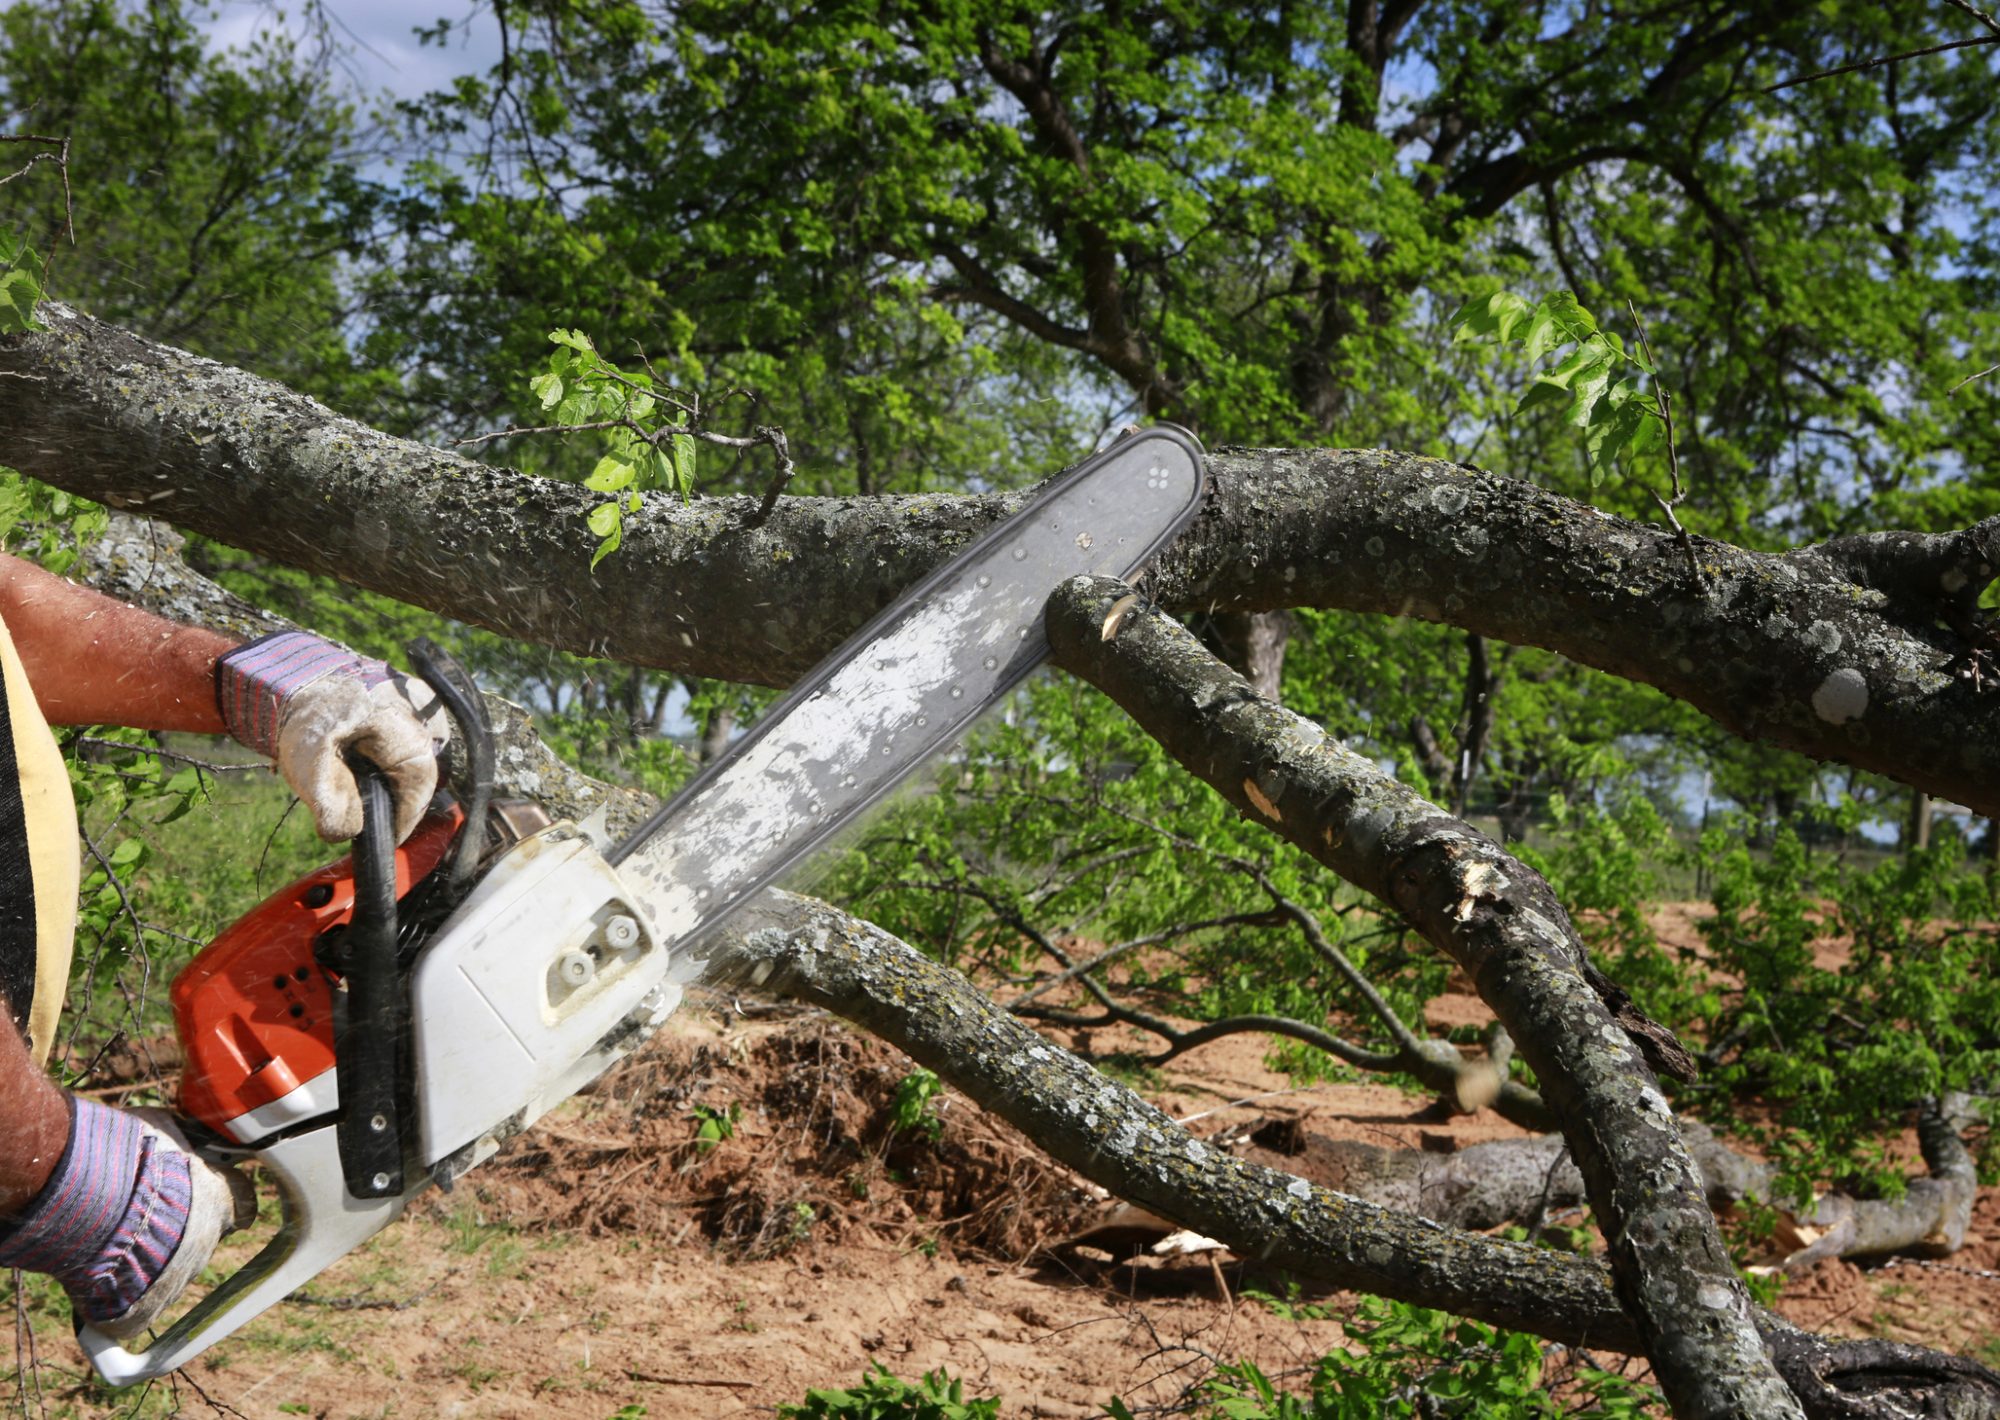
816	953
1502	925
1789	650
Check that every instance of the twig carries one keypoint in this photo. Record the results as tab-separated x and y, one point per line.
165	1085
158	752
27	1364
651	1379
1889	58
511	430
362	1302
1977	14
1152	939
763	435
1247	1099
220	1407
1990	369
60	157
126	909
774	436
1666	400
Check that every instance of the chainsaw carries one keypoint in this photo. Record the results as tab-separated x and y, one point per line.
385	1023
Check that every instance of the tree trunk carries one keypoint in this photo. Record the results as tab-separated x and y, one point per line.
1252	643
716	729
1917	831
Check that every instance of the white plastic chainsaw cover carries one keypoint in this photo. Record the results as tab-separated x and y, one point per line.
544	976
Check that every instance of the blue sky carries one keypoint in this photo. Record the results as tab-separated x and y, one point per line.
383	55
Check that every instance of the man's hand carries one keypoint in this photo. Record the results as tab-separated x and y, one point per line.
305	702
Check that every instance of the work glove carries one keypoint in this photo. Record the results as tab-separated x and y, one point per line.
305	702
129	1217
219	1202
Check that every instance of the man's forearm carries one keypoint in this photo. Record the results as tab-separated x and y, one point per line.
36	1116
93	660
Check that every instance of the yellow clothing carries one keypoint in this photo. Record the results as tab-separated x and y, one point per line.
38	860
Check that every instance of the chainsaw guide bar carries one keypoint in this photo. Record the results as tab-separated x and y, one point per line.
905	686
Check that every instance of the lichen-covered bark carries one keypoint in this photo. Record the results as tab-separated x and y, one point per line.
1501	923
812	952
1859	651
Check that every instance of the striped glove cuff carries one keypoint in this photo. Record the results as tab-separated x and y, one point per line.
253	682
110	1217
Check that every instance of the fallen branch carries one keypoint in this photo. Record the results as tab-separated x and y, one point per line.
816	953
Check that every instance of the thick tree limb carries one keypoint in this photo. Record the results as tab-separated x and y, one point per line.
814	952
1515	1180
1837	653
1502	924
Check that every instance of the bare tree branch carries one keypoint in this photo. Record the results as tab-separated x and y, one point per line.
1502	925
1883	59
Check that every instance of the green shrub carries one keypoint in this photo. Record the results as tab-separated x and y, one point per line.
1411	1361
885	1396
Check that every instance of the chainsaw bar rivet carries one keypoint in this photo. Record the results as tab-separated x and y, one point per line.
621	932
378	1123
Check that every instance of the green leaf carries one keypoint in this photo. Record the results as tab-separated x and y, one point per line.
684	464
604	519
1615	434
1543	391
19	291
548	388
1543	334
1589	383
610	475
127	853
1573	364
1576	323
1614	398
1494	315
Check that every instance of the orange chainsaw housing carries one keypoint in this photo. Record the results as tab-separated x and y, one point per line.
254	1010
